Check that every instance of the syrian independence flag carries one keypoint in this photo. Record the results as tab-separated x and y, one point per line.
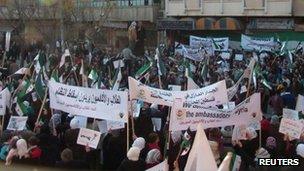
65	54
201	156
231	162
54	76
26	87
22	107
160	64
84	77
191	85
40	61
266	84
21	71
117	79
39	86
143	70
93	75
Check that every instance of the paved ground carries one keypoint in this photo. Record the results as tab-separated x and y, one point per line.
22	167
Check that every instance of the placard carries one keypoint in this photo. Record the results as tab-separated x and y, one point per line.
17	123
88	137
291	127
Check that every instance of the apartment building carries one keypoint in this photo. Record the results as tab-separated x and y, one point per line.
280	18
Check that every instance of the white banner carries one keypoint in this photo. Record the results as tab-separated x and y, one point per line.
222	44
88	137
190	52
291	127
258	44
93	103
246	112
208	96
17	123
4	100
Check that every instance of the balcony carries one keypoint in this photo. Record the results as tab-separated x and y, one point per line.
123	10
228	7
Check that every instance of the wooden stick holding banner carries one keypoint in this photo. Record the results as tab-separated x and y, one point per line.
3	60
160	82
128	133
169	134
250	78
41	108
2	124
132	120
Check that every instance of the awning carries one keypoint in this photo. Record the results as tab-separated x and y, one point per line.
227	24
205	23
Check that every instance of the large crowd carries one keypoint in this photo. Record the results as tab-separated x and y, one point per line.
52	140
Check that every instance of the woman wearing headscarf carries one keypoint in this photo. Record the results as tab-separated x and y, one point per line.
70	138
114	149
132	162
247	148
153	158
140	143
19	149
50	151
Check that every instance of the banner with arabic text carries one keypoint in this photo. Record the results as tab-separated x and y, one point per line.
207	96
88	102
217	44
258	44
182	118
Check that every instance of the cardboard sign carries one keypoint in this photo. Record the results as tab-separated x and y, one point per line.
290	114
17	123
291	127
88	137
105	126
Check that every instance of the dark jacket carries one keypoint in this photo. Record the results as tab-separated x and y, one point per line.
129	165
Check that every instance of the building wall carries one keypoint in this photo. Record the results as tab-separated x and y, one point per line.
228	7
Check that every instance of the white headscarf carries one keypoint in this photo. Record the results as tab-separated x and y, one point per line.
74	124
153	156
133	153
300	150
21	148
139	143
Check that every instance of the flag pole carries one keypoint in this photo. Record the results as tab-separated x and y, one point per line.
128	133
249	81
2	124
132	119
40	110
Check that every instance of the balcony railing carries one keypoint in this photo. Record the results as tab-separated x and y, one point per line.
119	3
228	7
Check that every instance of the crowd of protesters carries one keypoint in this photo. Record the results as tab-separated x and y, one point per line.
52	141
